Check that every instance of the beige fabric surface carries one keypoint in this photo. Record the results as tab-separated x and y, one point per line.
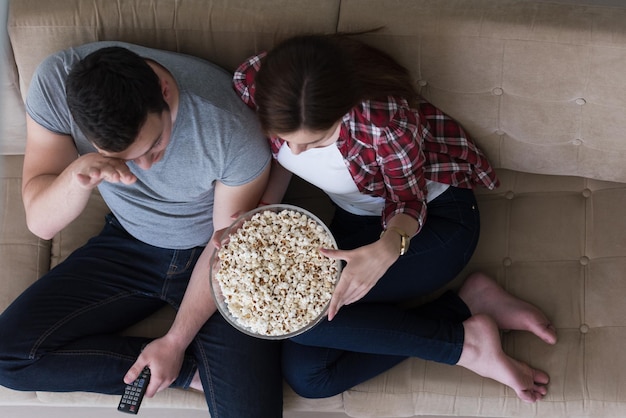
12	119
539	84
557	242
223	31
23	257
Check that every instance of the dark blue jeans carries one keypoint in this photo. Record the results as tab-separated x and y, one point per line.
61	334
373	335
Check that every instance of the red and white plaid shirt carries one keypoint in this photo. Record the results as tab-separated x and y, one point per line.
391	149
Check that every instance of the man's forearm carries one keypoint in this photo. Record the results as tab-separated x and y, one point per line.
197	305
51	203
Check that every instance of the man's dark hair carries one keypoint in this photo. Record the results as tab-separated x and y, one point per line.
110	94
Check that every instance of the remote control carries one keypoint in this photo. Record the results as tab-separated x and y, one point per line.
133	394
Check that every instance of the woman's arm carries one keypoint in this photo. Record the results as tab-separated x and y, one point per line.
399	145
277	185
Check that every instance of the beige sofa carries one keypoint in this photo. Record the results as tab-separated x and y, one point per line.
541	85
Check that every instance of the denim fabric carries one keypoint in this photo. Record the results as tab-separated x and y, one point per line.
61	334
374	334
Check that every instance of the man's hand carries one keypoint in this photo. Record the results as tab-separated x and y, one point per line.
92	169
165	359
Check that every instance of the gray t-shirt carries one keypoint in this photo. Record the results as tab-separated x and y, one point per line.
216	137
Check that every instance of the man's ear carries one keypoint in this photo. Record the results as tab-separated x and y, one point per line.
165	88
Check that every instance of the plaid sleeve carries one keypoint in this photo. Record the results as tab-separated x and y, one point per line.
243	79
402	164
385	156
243	83
453	157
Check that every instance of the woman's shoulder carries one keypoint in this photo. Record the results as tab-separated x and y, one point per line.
243	78
248	69
383	112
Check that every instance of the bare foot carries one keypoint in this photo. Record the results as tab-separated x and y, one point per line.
196	383
484	296
483	354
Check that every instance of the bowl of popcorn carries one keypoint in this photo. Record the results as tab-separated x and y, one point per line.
268	278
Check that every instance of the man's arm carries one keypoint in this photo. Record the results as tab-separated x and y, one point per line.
56	182
165	355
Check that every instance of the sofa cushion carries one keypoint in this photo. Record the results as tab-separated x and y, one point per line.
557	242
23	256
539	85
223	31
12	116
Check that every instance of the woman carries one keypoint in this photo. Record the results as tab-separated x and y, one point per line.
345	117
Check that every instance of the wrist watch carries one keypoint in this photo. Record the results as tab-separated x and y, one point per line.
405	239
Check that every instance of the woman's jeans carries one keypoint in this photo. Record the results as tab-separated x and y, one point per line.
371	336
61	334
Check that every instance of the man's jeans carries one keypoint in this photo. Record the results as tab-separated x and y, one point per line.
61	334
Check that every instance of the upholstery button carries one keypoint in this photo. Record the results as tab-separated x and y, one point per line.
509	195
587	193
500	132
507	262
584	260
497	91
581	101
577	141
422	83
584	328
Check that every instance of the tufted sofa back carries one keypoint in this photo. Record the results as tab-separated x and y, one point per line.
540	85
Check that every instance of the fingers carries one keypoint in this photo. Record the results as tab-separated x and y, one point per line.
157	383
96	169
355	281
335	304
348	291
114	171
133	373
236	214
337	300
335	254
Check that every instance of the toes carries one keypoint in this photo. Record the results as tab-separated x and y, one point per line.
545	331
529	396
535	394
540	377
540	390
552	338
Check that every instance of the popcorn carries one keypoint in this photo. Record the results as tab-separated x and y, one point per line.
273	278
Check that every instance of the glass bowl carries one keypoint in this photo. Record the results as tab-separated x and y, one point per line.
270	272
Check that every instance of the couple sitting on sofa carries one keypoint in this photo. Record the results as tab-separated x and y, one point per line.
176	152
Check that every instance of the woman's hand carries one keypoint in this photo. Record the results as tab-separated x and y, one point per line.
364	267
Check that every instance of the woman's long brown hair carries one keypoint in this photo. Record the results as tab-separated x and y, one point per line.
311	81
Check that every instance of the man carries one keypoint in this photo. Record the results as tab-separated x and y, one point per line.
175	154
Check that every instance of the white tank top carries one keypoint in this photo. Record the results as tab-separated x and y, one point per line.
325	168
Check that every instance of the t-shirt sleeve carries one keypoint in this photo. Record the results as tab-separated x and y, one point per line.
248	152
46	101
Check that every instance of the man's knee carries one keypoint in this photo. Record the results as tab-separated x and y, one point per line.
11	362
